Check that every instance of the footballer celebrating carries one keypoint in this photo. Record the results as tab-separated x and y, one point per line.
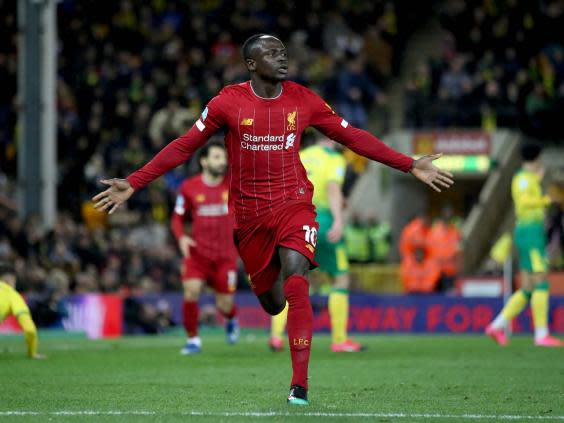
271	197
208	249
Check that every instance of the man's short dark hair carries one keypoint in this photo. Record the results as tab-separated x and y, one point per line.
530	152
7	268
205	151
250	44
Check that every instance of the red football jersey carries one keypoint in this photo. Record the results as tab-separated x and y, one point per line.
212	224
263	141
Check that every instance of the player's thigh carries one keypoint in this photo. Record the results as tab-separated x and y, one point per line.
332	258
223	277
272	300
531	244
192	288
257	249
297	239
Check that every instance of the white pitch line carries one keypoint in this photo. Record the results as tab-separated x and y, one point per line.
17	413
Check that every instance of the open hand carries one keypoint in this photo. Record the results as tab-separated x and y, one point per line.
428	173
118	193
184	243
335	232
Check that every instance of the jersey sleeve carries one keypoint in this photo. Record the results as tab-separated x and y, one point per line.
181	213
182	148
324	118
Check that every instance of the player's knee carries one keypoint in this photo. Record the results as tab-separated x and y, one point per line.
292	263
191	293
342	281
300	270
272	304
275	309
224	303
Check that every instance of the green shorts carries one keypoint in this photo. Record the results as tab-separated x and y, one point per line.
530	240
332	258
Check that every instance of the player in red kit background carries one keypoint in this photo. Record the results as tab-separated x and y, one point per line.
208	249
275	227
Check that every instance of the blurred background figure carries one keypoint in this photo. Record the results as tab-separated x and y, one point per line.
12	304
325	168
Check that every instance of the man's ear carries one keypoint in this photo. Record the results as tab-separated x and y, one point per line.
251	64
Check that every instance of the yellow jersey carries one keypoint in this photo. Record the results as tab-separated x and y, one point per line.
12	304
323	165
530	203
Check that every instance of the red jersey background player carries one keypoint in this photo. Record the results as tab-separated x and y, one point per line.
208	248
275	227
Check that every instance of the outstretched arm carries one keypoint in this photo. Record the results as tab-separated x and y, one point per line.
362	142
174	154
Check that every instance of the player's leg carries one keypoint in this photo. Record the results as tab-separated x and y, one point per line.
332	258
540	296
278	326
223	279
192	289
292	286
226	305
518	301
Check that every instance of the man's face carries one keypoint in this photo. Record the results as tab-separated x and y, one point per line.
216	161
269	60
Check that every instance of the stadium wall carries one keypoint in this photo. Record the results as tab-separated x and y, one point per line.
102	316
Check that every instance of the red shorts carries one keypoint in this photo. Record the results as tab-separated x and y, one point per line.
292	226
220	275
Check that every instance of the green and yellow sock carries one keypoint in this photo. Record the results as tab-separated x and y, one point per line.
339	313
539	307
278	323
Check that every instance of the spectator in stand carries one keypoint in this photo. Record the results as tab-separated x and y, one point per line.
419	272
443	246
501	85
414	235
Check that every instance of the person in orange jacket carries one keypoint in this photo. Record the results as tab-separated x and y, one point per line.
419	273
414	235
443	245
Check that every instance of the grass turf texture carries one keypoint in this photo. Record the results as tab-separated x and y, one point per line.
427	377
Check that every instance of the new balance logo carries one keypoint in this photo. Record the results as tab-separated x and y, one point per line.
247	121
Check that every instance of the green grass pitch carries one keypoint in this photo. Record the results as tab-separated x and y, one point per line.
397	379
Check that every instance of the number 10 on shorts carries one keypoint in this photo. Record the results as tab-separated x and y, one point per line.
310	234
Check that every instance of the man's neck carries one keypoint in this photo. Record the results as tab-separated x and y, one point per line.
266	89
211	180
531	167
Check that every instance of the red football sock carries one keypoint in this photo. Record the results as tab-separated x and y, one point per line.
300	326
190	311
230	314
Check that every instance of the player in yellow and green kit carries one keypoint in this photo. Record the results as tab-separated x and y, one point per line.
325	168
530	240
12	304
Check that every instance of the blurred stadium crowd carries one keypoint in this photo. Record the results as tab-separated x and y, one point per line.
501	64
134	74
